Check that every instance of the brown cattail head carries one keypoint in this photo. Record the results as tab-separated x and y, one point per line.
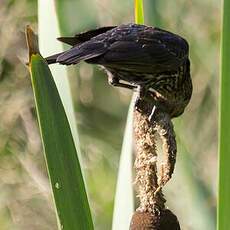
164	220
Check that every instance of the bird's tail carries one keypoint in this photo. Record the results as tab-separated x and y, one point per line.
83	48
79	53
53	58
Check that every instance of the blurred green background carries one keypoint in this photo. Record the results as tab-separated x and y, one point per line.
25	195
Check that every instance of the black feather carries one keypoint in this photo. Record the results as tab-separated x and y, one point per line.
84	36
53	59
85	51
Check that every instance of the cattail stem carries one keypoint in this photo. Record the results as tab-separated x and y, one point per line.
148	123
150	180
146	165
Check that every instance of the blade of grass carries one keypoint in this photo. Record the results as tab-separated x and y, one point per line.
124	199
139	12
60	153
223	210
48	32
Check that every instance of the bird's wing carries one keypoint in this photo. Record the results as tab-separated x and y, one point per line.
152	54
85	36
149	52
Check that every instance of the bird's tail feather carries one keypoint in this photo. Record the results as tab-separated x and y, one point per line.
80	53
53	58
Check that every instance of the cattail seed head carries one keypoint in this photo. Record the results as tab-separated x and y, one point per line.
164	220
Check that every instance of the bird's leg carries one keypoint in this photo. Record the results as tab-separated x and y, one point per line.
115	81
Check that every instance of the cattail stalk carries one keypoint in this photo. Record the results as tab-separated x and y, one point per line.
146	165
151	213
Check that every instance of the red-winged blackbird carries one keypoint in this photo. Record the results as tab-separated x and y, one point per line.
137	56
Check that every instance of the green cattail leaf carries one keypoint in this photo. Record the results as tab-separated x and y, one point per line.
48	29
60	153
124	198
139	12
223	215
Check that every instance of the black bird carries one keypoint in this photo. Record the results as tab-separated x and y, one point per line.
137	56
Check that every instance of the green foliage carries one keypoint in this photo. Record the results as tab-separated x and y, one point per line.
60	153
224	128
72	20
139	12
124	197
101	112
49	30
